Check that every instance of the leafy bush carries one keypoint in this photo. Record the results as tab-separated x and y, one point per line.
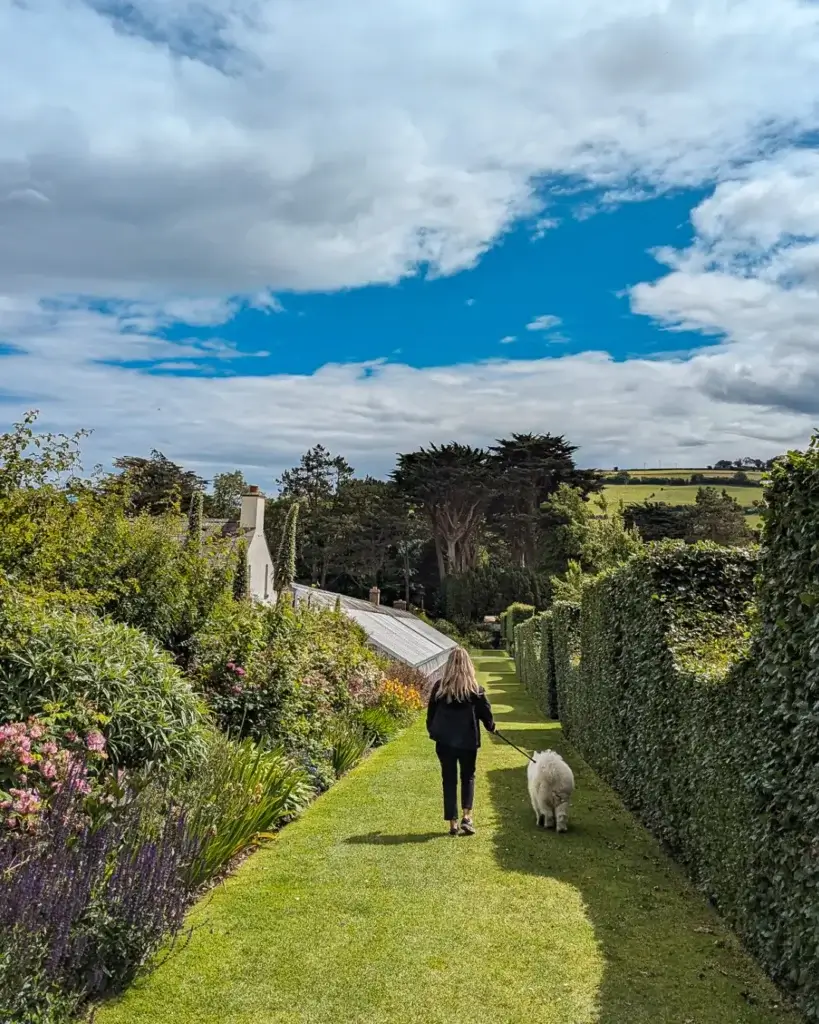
95	674
379	725
349	742
701	712
511	619
243	792
283	672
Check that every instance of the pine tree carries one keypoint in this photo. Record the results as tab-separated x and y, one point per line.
241	581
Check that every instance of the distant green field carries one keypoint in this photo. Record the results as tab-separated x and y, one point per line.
752	474
633	494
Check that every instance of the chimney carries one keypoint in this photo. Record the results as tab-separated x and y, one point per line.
400	606
252	517
375	596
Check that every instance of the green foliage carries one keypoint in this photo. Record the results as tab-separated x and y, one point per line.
717	517
241	573
657	520
195	520
453	485
241	794
488	589
226	500
282	672
349	742
285	571
154	485
700	711
378	724
511	619
94	673
528	470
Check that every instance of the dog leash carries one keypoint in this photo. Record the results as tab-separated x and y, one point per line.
511	744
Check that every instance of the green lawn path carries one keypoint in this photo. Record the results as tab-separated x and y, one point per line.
363	911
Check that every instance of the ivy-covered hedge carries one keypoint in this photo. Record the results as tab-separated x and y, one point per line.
701	710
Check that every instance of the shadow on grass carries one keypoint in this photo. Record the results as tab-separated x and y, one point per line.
377	839
668	959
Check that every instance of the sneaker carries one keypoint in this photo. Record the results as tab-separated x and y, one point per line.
467	827
454	830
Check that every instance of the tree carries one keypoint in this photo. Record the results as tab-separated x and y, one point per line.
452	485
595	537
657	520
226	500
155	485
529	468
28	459
717	517
316	482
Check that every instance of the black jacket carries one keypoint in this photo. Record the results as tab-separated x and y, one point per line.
455	724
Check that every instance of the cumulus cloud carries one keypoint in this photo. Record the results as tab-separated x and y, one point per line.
619	412
751	279
169	161
223	146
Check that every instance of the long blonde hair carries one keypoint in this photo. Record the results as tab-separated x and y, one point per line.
458	682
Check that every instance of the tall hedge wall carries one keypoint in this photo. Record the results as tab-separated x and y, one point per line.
703	712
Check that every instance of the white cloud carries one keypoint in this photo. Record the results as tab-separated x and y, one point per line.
508	339
751	280
225	146
620	413
544	323
180	159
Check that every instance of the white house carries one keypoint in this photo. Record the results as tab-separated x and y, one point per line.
250	527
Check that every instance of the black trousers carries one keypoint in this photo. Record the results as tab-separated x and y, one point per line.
451	760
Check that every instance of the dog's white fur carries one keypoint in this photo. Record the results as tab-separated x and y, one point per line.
551	784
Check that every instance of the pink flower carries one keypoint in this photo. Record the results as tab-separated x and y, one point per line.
27	801
35	732
25	757
49	748
240	671
231	665
48	770
95	741
71	736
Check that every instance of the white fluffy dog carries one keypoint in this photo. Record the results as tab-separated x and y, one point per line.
551	784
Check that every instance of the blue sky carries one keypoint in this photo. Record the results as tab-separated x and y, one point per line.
578	271
233	229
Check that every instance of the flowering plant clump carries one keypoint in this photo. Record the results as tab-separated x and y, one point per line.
401	701
85	904
36	763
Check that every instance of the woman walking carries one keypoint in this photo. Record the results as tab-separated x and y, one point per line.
456	705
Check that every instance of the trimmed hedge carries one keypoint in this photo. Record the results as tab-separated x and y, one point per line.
702	712
512	618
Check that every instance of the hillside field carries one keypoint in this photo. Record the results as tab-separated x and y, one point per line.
633	494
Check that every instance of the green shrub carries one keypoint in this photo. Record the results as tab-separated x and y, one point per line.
349	742
379	725
241	794
512	617
94	673
283	672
